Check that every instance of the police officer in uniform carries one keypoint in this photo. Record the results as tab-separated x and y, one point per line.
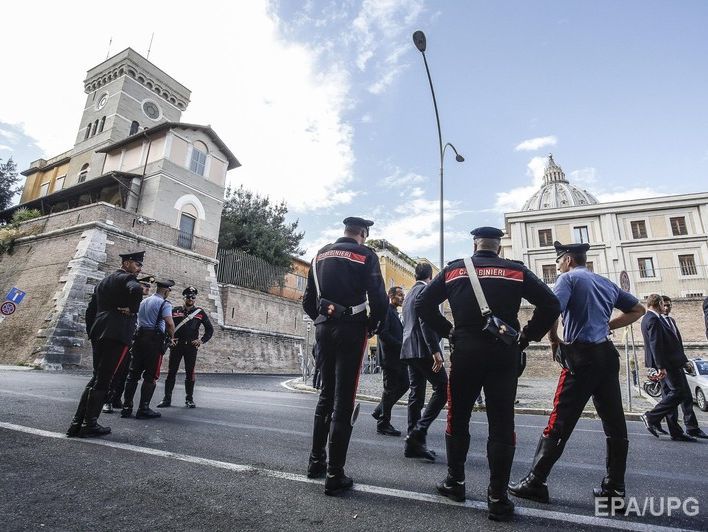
112	324
188	320
483	360
590	369
342	276
115	391
155	332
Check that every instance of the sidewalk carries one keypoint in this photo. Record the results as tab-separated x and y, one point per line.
535	396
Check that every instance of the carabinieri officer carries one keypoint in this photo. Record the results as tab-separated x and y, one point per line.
590	369
342	276
481	359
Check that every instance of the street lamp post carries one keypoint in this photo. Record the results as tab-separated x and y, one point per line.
420	43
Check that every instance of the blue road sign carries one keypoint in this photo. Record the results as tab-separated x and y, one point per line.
15	295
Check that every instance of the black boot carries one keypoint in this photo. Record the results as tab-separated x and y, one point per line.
166	402
533	486
500	457
90	427
453	487
317	463
144	411
336	481
378	412
384	427
107	408
128	396
78	419
416	447
612	486
189	393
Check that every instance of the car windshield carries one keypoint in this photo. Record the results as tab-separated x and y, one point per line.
702	366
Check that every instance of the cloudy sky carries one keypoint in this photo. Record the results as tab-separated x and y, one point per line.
327	104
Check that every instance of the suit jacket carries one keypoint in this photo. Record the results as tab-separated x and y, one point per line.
419	339
705	314
390	338
119	289
663	349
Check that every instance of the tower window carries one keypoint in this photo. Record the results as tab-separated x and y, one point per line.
83	173
198	162
186	231
103	123
134	126
88	130
94	128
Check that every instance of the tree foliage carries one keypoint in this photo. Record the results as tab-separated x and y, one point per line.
250	222
8	180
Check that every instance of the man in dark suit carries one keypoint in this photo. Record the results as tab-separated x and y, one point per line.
395	374
705	314
689	416
664	352
421	350
112	314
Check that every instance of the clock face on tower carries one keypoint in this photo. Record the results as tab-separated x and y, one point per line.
102	101
151	110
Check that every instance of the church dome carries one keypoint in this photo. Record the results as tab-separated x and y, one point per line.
556	192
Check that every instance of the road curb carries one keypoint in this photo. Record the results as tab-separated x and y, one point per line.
296	385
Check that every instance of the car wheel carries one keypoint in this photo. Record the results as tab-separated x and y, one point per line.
701	400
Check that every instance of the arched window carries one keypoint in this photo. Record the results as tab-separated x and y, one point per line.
88	130
199	154
94	128
186	230
134	126
103	123
83	172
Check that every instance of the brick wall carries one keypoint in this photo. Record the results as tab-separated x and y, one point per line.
257	310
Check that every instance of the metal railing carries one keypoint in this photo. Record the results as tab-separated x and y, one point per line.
241	269
185	240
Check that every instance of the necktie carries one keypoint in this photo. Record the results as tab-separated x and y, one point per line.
670	323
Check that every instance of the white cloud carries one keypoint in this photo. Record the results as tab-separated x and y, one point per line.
386	80
6	148
9	135
400	180
366	118
272	101
536	143
583	178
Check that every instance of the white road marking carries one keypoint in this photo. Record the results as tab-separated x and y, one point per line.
547	515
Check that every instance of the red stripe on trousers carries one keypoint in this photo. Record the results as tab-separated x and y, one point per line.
159	365
120	360
361	361
556	400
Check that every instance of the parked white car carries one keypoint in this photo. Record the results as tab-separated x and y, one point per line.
697	377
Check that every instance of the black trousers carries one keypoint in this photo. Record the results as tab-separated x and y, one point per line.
183	350
115	391
342	347
674	391
395	385
689	416
476	364
595	374
146	363
420	372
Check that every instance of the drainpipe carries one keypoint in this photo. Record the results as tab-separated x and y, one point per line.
142	178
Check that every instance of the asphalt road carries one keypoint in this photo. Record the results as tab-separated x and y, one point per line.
238	462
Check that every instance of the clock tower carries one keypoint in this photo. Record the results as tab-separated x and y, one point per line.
125	95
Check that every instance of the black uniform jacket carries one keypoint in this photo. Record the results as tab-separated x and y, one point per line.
390	338
419	340
662	348
347	272
190	330
504	282
118	289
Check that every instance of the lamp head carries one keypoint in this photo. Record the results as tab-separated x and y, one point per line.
459	158
419	40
